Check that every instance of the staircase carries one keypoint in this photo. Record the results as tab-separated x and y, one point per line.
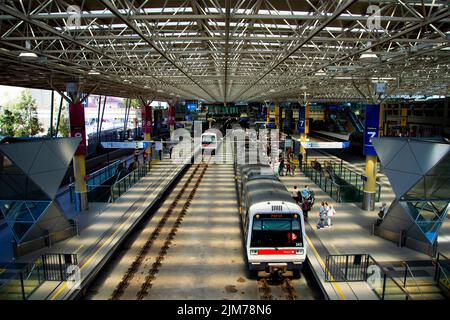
418	282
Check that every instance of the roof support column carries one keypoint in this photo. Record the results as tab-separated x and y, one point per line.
78	129
147	125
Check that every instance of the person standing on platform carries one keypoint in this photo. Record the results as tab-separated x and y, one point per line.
306	193
288	166
281	167
381	214
300	161
292	163
145	156
330	214
322	215
294	194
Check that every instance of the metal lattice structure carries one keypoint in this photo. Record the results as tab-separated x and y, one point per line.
228	50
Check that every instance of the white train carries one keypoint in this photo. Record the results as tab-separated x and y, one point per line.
272	222
210	140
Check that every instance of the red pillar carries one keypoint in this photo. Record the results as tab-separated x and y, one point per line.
78	126
171	117
78	129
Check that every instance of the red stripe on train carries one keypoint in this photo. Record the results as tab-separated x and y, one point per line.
274	251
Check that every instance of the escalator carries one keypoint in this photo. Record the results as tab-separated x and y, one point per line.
354	120
348	192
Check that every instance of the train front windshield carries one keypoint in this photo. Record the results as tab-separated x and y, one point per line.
208	139
276	231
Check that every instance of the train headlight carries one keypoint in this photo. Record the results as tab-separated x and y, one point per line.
299	251
253	252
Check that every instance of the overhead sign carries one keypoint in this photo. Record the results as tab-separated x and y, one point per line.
303	121
325	145
371	129
126	145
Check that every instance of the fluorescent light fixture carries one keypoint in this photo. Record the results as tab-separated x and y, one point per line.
159	90
94	72
320	73
272	90
368	56
25	55
28	56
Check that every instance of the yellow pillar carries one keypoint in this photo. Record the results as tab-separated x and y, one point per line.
268	114
277	116
370	184
371	173
148	137
79	171
404	120
304	136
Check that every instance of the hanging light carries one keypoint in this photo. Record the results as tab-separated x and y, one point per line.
93	72
26	55
368	56
320	73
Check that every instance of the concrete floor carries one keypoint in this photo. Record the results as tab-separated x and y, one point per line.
206	258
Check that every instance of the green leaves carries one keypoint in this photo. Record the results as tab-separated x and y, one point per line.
20	119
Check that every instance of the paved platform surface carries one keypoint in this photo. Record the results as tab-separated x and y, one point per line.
350	234
205	260
105	225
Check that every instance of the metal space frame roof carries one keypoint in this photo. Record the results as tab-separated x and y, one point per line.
229	50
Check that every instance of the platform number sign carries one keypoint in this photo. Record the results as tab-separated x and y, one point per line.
371	129
302	120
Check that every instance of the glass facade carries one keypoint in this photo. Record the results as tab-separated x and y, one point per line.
22	215
435	185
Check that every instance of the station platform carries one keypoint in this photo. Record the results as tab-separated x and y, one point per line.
105	225
351	233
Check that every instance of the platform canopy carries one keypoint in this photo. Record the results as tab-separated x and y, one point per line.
228	50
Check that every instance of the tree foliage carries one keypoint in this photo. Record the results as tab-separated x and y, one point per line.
20	118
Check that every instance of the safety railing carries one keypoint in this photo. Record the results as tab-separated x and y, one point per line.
363	267
350	187
97	178
124	184
348	267
23	282
408	274
442	272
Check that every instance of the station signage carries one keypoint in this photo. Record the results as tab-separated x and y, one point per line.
325	145
303	122
371	128
126	145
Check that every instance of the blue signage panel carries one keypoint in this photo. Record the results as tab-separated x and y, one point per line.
302	119
372	125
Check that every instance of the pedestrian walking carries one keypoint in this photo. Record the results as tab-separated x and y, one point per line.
295	194
322	215
330	214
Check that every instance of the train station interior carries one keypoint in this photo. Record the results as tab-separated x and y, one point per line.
225	150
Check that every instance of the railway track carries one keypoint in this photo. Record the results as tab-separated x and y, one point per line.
165	233
276	289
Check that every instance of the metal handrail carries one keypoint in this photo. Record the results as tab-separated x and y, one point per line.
385	276
443	272
408	269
